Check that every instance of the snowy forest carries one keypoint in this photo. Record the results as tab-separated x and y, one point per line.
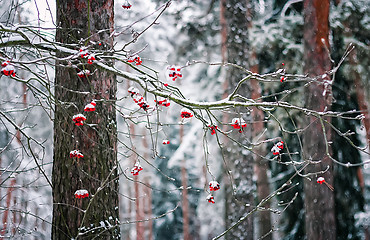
185	119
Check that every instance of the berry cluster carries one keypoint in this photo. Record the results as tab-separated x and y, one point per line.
126	5
238	123
213	129
173	72
7	69
90	59
75	154
277	148
135	59
84	53
210	198
163	102
136	169
213	186
83	73
136	96
90	107
82	193
186	113
79	119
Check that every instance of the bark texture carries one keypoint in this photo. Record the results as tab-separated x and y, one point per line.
185	200
240	162
261	165
319	200
96	139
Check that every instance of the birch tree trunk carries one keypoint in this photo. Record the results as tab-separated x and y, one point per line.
96	216
319	200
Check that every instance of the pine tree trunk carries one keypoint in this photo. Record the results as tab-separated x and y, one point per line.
96	139
223	24
240	162
185	202
319	200
148	212
147	201
139	209
261	165
363	105
137	189
6	212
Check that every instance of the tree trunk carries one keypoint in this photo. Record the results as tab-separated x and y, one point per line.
6	212
97	215
319	200
139	215
185	202
223	24
139	209
148	212
361	93
261	165
147	201
239	193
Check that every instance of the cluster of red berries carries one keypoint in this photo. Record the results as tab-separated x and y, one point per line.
84	73
136	169
213	129
126	5
90	107
84	53
173	72
321	180
7	69
75	154
163	102
79	119
82	193
213	186
282	72
90	59
277	148
135	59
136	96
186	113
238	123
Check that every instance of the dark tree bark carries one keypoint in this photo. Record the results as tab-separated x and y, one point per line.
239	161
319	200
96	139
361	93
223	24
185	200
261	165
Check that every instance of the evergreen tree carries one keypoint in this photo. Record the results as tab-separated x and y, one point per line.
348	183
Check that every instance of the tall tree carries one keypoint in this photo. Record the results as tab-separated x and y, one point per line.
349	93
92	21
261	165
239	193
319	201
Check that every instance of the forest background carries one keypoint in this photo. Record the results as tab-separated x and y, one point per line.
250	60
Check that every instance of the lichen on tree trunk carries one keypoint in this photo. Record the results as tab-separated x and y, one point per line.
96	139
